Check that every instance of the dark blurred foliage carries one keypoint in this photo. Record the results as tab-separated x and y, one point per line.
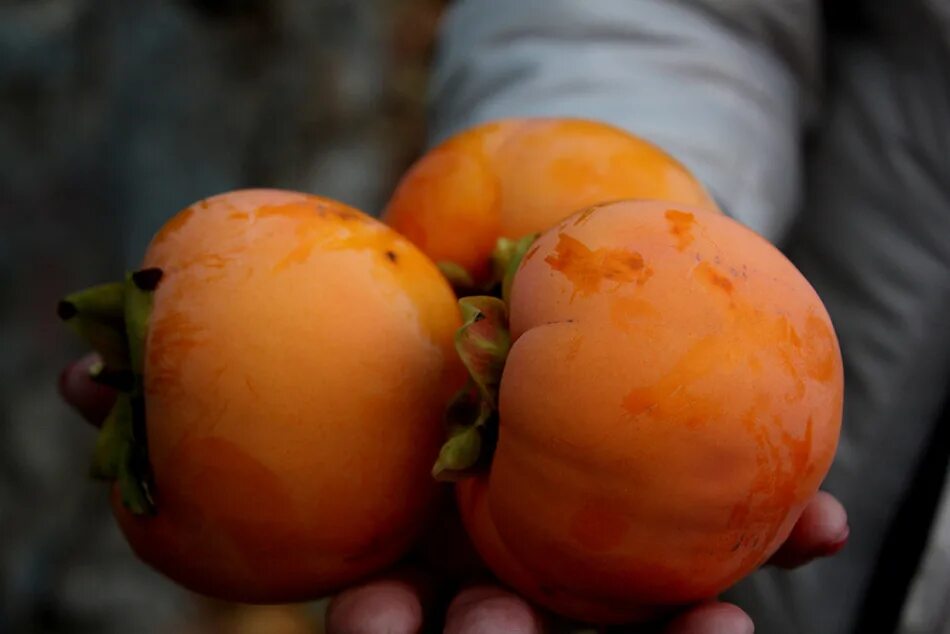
113	115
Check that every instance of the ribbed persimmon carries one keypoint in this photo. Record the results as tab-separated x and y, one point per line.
671	400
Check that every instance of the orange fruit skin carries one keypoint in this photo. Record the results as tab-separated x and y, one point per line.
516	177
671	401
299	357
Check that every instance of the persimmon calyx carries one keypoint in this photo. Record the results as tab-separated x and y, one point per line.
482	343
118	456
457	275
113	319
96	314
507	258
458	454
139	288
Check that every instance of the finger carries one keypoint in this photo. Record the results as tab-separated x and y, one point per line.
393	604
92	400
486	609
712	618
821	531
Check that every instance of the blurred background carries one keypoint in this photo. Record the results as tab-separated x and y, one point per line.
116	114
113	116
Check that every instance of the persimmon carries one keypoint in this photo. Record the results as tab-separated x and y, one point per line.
516	177
284	361
669	397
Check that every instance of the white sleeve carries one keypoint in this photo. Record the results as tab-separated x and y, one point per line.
723	85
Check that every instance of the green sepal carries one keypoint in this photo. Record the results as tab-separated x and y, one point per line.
107	454
97	315
506	259
139	289
483	342
471	418
118	456
105	302
114	319
458	455
457	275
135	476
135	472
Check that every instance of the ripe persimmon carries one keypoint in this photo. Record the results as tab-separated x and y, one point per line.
516	177
286	365
670	399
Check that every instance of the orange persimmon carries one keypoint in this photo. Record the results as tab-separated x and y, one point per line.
670	401
295	366
516	177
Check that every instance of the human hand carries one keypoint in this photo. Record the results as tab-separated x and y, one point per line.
404	602
410	600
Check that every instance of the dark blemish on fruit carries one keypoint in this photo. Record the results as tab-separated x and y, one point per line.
147	279
681	226
479	317
391	256
737	545
203	204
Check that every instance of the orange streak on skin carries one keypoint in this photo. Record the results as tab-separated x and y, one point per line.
586	268
681	226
